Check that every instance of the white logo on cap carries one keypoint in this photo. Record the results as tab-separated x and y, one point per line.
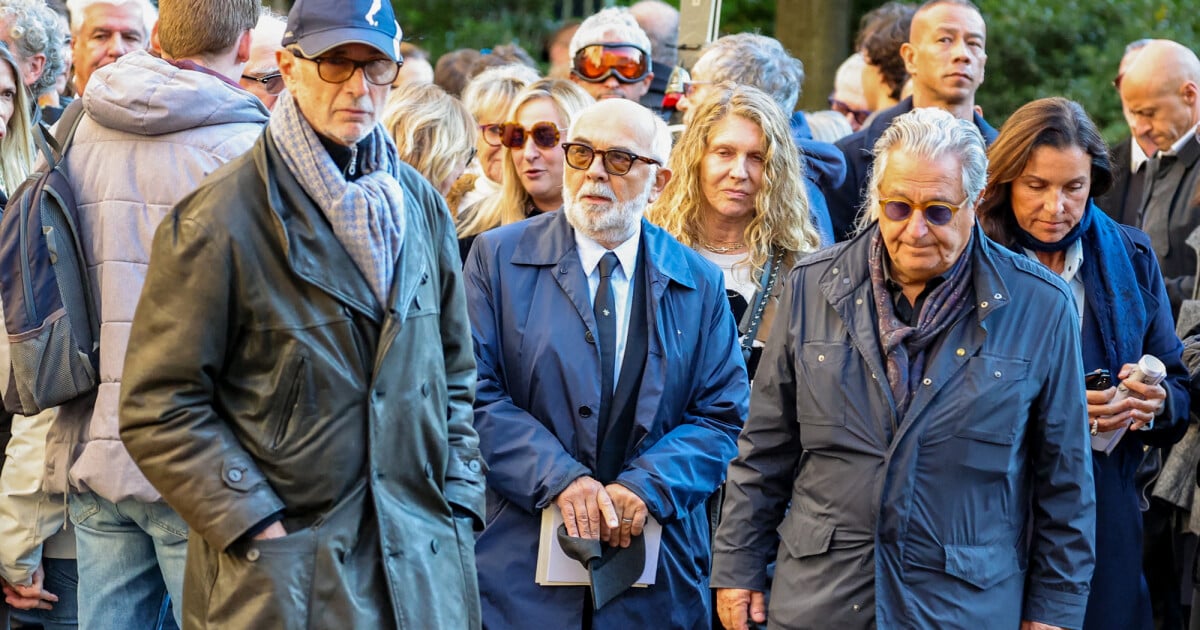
375	8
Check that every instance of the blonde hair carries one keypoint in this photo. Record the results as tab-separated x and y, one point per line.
509	205
433	131
16	149
781	210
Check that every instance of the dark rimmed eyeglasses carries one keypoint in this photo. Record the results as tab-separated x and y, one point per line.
271	83
337	69
841	107
615	161
935	212
514	136
596	63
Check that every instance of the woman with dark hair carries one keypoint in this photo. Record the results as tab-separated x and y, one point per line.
1046	166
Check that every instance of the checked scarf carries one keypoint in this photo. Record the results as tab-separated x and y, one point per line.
367	215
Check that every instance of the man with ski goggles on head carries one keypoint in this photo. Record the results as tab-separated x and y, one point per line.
610	56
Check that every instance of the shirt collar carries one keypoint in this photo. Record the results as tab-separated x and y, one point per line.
590	252
1178	146
1073	263
1137	157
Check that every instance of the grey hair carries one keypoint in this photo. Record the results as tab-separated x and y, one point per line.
34	29
610	26
755	60
76	9
929	133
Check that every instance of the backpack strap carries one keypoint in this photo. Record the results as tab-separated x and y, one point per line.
67	123
51	145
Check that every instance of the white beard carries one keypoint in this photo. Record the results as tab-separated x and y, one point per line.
614	224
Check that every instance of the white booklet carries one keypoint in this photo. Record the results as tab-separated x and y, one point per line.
556	568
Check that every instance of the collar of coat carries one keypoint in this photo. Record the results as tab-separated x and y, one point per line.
846	270
552	241
884	120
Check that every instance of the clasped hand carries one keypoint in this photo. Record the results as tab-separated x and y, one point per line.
612	514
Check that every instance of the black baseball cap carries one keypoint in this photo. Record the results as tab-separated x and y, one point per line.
315	26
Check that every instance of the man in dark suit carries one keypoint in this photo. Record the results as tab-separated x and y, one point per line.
1161	91
610	387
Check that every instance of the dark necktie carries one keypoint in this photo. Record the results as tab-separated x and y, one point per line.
605	310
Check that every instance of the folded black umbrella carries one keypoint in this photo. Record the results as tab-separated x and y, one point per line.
612	570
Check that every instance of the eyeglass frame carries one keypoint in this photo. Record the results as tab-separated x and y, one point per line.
266	79
603	153
358	65
483	131
860	115
529	134
922	207
646	62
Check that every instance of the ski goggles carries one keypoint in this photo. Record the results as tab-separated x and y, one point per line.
513	135
596	63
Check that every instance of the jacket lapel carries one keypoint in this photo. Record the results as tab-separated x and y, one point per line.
313	251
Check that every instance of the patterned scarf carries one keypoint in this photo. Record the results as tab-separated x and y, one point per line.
367	215
903	345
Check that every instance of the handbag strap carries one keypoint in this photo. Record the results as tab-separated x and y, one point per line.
770	276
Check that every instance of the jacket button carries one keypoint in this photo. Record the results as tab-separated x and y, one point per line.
234	475
857	607
474	465
588	337
252	555
433	545
927	382
425	389
585	412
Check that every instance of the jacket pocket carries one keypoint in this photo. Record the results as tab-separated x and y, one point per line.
822	370
995	390
805	536
289	386
982	566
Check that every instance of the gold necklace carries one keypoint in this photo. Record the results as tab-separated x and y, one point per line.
722	247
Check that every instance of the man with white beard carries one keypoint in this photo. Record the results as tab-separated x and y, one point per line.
611	388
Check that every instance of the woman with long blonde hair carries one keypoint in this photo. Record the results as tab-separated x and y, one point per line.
531	182
433	131
16	141
737	197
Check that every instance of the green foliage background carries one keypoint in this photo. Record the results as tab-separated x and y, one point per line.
1036	48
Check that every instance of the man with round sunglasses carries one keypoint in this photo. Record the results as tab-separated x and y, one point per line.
610	390
610	56
300	374
915	454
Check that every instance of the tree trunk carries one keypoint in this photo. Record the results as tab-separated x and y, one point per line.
818	33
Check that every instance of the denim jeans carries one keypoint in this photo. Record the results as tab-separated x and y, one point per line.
60	580
131	558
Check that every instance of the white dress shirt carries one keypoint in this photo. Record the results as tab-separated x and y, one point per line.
590	253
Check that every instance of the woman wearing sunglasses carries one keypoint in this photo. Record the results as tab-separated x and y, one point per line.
532	158
1046	166
488	97
738	198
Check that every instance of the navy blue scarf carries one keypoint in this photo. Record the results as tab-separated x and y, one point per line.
1109	283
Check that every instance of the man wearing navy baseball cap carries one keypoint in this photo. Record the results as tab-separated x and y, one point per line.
300	376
